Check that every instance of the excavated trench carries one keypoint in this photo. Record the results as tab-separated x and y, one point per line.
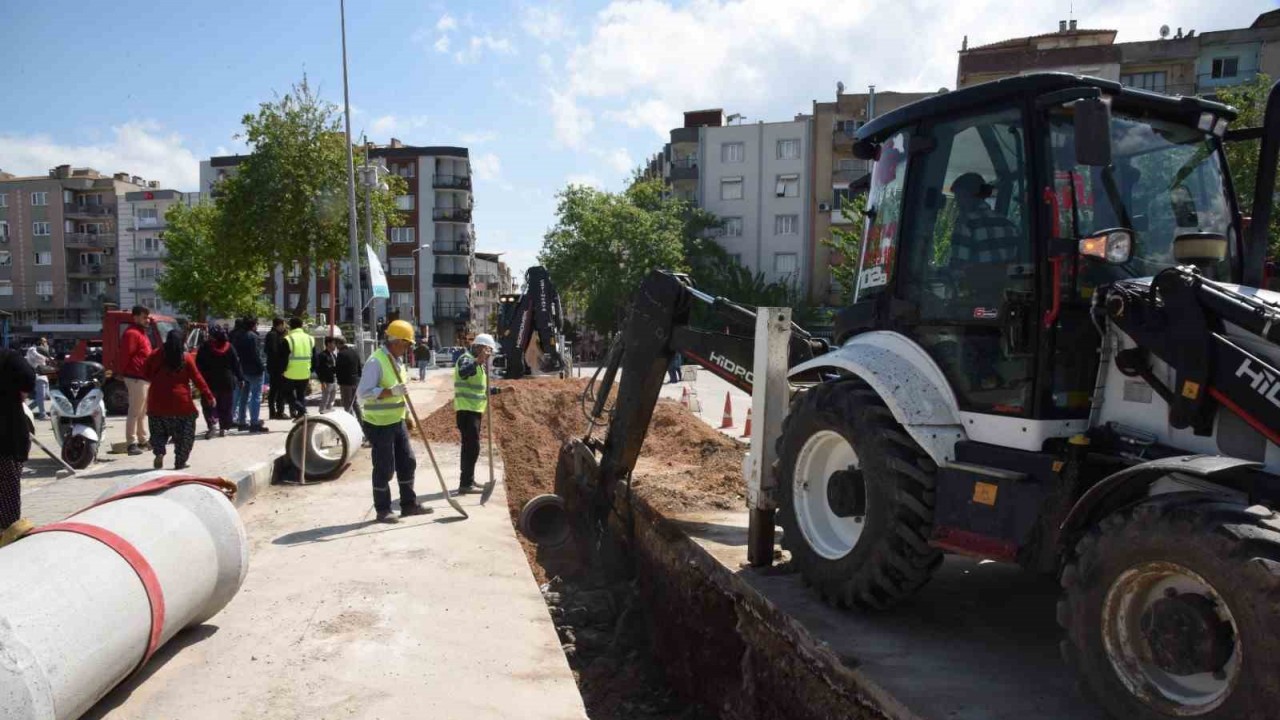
661	630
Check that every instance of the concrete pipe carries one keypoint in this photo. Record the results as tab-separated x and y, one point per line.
545	521
332	441
87	601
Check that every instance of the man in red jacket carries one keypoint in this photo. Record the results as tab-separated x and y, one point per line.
135	348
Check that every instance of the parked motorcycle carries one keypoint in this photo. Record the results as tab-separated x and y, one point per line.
77	412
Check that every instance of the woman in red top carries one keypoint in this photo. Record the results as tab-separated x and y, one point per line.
170	412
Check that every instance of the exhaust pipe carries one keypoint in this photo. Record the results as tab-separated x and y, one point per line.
545	521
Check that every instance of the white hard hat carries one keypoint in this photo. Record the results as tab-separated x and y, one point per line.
486	340
336	334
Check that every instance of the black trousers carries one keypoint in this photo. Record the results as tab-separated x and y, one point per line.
392	455
296	395
469	426
276	395
180	429
10	491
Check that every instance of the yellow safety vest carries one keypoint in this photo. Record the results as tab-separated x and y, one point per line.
391	409
301	346
470	393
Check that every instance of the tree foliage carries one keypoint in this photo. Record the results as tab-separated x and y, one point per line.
845	244
287	201
199	279
1251	100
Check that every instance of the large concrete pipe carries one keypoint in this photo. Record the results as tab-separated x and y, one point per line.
86	601
332	440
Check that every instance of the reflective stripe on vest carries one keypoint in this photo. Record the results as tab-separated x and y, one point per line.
387	410
470	393
301	346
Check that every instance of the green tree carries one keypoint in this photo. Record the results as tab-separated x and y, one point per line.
1251	100
198	277
845	244
287	202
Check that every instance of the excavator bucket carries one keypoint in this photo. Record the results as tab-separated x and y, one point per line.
546	522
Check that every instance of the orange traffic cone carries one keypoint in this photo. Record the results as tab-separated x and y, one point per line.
746	429
727	420
684	398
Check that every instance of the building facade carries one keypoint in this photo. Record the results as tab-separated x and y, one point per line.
428	253
59	236
492	279
141	250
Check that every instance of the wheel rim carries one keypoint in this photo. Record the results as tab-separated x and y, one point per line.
77	452
1171	669
825	453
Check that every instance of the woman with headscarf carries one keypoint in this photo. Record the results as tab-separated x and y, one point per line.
170	412
220	365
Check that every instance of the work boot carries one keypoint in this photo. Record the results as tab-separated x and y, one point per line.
134	449
411	510
180	466
385	517
242	427
20	527
158	462
467	490
259	428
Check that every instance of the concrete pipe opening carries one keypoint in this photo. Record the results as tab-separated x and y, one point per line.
545	521
331	441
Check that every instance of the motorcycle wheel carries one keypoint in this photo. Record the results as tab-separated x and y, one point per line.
78	452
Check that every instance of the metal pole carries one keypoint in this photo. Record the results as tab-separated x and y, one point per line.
370	179
357	296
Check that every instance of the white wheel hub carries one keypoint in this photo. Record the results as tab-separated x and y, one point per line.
825	453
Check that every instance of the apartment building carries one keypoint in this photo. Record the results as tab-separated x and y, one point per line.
755	177
834	124
429	251
141	250
492	279
59	235
1178	63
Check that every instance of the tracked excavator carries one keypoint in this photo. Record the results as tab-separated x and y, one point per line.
530	328
1057	355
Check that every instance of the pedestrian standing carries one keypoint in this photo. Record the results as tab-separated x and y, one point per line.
297	372
326	372
277	353
673	368
135	348
249	348
40	358
17	382
170	410
219	363
422	353
382	393
471	391
347	373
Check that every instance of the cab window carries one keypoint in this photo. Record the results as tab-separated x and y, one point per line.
884	217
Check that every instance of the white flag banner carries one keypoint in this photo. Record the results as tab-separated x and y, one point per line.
377	276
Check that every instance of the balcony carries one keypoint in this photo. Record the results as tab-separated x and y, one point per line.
456	280
451	247
684	135
451	182
86	270
457	312
156	223
461	215
685	168
842	139
89	240
77	210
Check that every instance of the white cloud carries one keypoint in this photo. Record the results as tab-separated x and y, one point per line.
478	138
618	159
584	179
442	44
545	63
544	24
573	123
486	167
386	124
446	23
137	147
478	45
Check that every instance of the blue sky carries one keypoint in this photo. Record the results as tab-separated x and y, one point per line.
544	93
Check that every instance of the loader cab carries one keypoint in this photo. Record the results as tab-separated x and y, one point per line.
979	202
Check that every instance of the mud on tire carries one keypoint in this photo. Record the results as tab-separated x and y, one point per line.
1234	549
891	559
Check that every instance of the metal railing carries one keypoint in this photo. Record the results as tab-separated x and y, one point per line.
451	182
451	280
453	311
85	269
96	240
451	214
77	209
451	247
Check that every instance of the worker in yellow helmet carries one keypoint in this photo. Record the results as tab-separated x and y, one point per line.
381	393
471	391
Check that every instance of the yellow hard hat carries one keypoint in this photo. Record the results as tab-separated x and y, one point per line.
400	330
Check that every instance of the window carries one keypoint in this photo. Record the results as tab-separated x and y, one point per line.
788	186
44	257
6	258
402	301
148	216
149	245
401	266
785	263
733	226
4	202
6	288
404	202
732	152
324	302
731	189
788	149
735	258
39	228
403	234
1225	67
4	231
406	171
1153	81
887	179
848	127
87	258
147	273
848	164
39	198
786	224
92	288
44	287
293	300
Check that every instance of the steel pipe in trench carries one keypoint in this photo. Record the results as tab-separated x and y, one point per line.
332	440
85	602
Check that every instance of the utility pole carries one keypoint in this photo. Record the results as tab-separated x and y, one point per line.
357	295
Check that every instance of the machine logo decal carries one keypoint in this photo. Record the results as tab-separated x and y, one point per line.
733	368
1262	382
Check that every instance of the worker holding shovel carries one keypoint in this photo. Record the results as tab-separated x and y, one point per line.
17	381
381	393
471	391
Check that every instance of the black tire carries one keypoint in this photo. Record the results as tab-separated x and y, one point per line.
78	452
892	558
116	397
1235	549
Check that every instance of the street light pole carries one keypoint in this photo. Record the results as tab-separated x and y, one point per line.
357	296
417	280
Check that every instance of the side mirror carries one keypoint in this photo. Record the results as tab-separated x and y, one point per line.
1113	246
1093	132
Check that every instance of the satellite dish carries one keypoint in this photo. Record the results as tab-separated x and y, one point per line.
1164	31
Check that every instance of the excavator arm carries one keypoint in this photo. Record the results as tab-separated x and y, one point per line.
535	313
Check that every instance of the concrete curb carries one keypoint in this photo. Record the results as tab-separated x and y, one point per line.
252	480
